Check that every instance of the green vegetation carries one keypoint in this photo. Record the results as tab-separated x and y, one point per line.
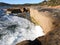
53	2
45	2
50	2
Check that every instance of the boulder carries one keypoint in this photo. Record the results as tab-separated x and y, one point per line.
29	42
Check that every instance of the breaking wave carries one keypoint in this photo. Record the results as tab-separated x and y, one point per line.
15	29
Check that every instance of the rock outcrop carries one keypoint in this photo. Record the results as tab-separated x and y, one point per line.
49	20
28	42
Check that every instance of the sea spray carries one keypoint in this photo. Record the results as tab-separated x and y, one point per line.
15	29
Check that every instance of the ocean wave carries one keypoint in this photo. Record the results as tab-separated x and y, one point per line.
15	29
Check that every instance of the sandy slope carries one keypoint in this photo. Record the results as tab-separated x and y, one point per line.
43	19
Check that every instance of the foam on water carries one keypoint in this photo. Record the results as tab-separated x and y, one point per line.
15	29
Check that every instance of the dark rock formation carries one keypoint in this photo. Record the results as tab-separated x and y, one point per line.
28	42
25	10
16	11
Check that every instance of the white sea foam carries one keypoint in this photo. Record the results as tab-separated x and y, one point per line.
15	29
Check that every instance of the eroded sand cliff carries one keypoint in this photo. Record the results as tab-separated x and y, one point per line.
49	20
